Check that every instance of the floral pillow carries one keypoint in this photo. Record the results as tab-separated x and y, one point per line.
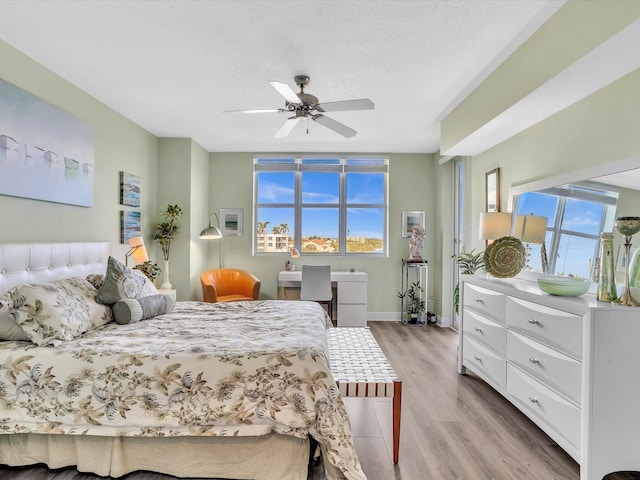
50	313
123	282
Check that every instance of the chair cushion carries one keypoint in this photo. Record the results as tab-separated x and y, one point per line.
233	298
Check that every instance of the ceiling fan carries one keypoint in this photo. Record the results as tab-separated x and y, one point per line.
304	106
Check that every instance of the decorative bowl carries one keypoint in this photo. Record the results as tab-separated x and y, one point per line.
563	286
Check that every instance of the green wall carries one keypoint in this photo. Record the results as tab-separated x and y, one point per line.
412	186
120	145
590	134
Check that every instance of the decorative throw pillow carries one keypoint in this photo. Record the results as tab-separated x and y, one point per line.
123	282
95	279
131	310
56	311
9	329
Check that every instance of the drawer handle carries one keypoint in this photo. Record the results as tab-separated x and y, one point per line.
533	400
478	359
479	300
534	360
478	329
533	321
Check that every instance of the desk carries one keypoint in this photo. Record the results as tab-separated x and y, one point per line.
351	294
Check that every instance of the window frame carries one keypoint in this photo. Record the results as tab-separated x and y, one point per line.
346	164
576	191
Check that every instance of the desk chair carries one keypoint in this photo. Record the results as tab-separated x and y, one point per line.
316	286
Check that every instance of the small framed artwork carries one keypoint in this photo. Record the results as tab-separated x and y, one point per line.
621	263
409	219
231	221
492	190
129	225
129	189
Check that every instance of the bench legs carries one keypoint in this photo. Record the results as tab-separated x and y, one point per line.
397	407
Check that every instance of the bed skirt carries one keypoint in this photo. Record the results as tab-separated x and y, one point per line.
269	457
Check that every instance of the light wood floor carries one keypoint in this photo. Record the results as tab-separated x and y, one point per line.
453	427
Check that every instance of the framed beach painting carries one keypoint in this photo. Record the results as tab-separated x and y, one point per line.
231	221
45	153
129	189
129	225
409	220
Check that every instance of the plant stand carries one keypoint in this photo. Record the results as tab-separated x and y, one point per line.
414	271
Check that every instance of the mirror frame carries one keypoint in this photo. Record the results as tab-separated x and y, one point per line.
599	170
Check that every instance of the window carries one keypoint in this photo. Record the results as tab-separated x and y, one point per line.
576	216
320	205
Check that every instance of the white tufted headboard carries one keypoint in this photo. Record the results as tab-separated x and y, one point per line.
22	263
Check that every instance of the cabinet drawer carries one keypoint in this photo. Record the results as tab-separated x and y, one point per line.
352	315
541	402
555	328
484	330
483	361
483	300
553	368
352	292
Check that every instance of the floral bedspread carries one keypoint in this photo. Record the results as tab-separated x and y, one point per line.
225	369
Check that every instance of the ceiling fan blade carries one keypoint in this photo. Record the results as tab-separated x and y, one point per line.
287	126
334	125
271	110
360	104
285	90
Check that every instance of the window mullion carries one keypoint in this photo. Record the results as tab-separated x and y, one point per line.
297	214
342	214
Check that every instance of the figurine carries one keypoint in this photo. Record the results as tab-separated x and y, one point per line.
415	242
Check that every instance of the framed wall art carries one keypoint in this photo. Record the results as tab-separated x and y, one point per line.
492	190
129	225
409	219
231	221
45	153
129	189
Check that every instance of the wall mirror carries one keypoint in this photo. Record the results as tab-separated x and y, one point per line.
579	206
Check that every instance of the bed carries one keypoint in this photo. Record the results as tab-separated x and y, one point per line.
239	391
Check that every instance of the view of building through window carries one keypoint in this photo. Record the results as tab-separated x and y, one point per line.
320	205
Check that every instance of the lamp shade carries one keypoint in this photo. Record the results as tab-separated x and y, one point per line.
211	232
494	225
138	250
295	253
530	228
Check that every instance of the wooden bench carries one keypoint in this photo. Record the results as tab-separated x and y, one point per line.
361	369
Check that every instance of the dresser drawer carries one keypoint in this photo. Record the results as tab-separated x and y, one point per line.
553	368
485	301
555	328
486	331
560	414
483	361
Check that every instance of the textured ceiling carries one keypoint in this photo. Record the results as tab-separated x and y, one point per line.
173	67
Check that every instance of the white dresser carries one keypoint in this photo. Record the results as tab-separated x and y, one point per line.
571	364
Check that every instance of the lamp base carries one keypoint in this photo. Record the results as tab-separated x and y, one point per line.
626	300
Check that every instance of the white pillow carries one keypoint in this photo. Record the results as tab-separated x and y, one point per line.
56	311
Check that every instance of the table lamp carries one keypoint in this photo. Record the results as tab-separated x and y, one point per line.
293	254
533	229
138	250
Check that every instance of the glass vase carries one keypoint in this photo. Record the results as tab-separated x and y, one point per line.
607	291
166	285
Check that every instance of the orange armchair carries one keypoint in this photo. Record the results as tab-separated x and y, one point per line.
229	285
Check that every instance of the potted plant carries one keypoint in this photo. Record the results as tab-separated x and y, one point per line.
150	269
469	263
165	232
414	305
